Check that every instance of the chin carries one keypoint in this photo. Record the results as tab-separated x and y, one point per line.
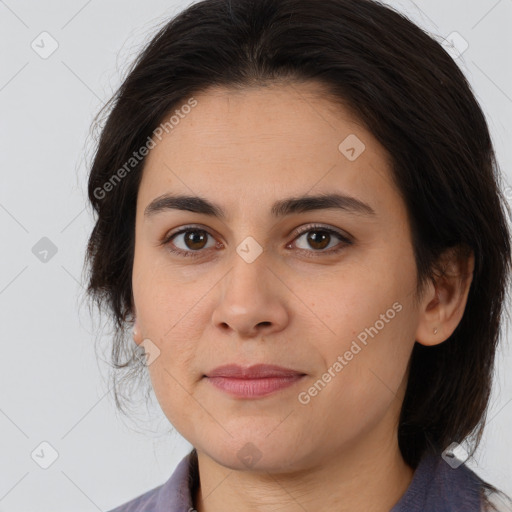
258	453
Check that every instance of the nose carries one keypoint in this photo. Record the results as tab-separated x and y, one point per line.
252	300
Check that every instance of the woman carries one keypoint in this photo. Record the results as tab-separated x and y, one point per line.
299	216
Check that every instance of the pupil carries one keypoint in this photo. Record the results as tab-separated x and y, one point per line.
315	238
195	239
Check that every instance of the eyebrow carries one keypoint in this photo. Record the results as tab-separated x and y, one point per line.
279	209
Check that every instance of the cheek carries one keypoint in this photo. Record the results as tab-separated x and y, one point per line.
161	301
172	382
366	332
167	317
369	379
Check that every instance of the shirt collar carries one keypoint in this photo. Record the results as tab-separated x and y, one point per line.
176	494
435	486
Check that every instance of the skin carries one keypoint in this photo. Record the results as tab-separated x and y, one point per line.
244	150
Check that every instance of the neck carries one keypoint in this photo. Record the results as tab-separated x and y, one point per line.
372	479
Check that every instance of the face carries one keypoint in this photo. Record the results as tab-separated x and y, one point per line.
324	289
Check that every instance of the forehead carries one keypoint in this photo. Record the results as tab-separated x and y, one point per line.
262	142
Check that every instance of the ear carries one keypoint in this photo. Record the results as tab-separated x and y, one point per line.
137	335
445	299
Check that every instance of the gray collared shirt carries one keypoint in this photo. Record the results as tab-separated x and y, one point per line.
435	487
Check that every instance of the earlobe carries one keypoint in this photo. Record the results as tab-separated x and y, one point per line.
430	327
443	311
136	332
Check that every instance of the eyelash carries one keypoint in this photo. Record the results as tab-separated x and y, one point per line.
313	227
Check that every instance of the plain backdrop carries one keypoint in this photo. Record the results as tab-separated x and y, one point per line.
53	388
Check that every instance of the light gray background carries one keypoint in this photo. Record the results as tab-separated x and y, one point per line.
51	386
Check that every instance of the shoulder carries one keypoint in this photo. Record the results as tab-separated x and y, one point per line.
441	486
173	495
143	503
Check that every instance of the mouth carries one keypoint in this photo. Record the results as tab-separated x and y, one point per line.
253	382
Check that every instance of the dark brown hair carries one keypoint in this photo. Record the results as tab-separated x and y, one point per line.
409	93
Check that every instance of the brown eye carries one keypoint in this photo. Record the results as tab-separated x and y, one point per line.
319	238
193	241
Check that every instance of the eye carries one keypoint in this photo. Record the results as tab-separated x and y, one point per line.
194	239
319	237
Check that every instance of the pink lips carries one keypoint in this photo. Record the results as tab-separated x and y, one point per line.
254	381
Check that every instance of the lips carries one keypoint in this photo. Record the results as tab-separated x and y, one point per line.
257	371
253	382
